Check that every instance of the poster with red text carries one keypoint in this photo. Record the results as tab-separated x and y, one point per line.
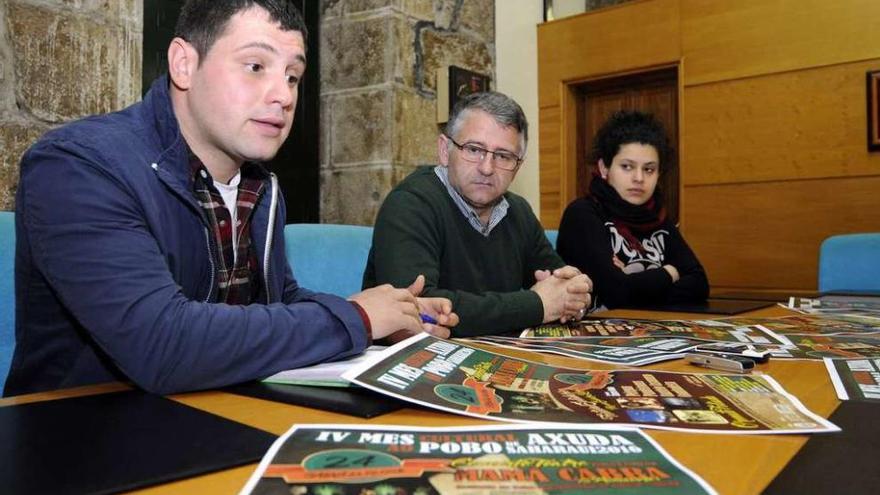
458	378
337	459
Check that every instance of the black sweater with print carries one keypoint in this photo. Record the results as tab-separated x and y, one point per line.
589	240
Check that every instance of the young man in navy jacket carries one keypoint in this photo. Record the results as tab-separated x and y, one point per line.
150	241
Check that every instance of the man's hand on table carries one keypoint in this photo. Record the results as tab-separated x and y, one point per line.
399	313
565	293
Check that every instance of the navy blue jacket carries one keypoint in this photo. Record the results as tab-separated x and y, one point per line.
115	278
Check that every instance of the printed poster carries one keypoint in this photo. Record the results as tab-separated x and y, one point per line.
806	337
855	379
813	324
868	307
481	460
458	378
629	351
816	347
713	330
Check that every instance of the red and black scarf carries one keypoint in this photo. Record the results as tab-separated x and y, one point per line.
627	217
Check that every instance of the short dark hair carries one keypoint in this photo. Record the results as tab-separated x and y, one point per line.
501	107
630	126
201	22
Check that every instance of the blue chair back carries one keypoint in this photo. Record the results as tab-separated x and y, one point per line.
551	236
850	263
7	292
328	258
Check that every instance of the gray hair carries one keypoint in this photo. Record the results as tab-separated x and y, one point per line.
501	107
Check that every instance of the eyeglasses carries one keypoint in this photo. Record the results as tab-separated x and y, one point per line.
504	160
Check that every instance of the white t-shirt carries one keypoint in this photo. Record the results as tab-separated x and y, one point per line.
230	200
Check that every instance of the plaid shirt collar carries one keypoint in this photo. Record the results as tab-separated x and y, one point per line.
237	274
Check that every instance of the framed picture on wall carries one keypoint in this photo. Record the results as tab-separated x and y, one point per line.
873	79
454	83
463	82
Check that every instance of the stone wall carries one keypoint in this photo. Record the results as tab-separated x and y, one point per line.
61	60
378	95
64	59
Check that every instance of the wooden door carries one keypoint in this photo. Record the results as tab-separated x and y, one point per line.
655	92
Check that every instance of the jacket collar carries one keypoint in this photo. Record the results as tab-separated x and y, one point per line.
158	115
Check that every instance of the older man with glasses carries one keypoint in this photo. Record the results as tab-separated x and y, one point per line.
476	243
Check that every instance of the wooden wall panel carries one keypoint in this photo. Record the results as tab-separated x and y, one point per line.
614	40
549	130
724	39
767	235
803	124
772	119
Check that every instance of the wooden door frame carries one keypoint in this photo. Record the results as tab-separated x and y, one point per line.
571	107
631	92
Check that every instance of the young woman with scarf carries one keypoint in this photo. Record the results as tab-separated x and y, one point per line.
619	234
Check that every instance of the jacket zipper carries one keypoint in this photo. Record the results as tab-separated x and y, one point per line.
270	230
269	234
211	261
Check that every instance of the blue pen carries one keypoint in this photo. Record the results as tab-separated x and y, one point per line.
427	319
